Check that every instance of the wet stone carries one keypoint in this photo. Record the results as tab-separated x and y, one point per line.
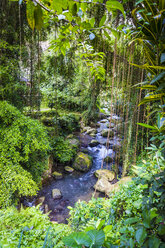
68	169
94	143
56	194
57	175
104	133
46	208
40	200
103	121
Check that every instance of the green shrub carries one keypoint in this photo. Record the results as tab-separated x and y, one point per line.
62	150
23	151
68	122
30	228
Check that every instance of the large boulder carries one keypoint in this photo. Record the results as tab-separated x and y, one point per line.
109	175
104	133
56	194
102	185
116	187
83	162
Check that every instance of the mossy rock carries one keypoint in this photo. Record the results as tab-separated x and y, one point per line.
109	175
112	125
104	133
108	159
91	131
74	142
68	169
57	175
94	143
83	162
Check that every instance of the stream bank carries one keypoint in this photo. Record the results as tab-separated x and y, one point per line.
80	185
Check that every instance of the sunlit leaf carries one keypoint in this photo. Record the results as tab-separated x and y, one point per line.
115	5
30	14
102	21
38	16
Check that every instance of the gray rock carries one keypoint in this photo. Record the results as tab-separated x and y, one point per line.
109	175
104	133
74	142
102	185
112	125
103	121
56	194
46	208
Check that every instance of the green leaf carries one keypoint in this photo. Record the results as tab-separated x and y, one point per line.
100	223
115	5
77	240
140	235
131	220
158	77
102	21
30	7
38	16
97	237
74	9
162	58
161	229
154	242
92	22
147	126
107	229
107	35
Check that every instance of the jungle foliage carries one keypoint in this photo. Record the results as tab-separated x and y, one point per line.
93	58
24	148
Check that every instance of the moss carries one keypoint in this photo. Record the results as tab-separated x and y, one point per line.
83	162
57	175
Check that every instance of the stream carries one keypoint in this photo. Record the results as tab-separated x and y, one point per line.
79	185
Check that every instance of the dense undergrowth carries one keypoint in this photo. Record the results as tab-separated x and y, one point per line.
24	150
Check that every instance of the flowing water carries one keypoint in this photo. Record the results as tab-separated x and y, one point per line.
78	185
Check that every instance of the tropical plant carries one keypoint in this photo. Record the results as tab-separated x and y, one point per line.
24	148
150	33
